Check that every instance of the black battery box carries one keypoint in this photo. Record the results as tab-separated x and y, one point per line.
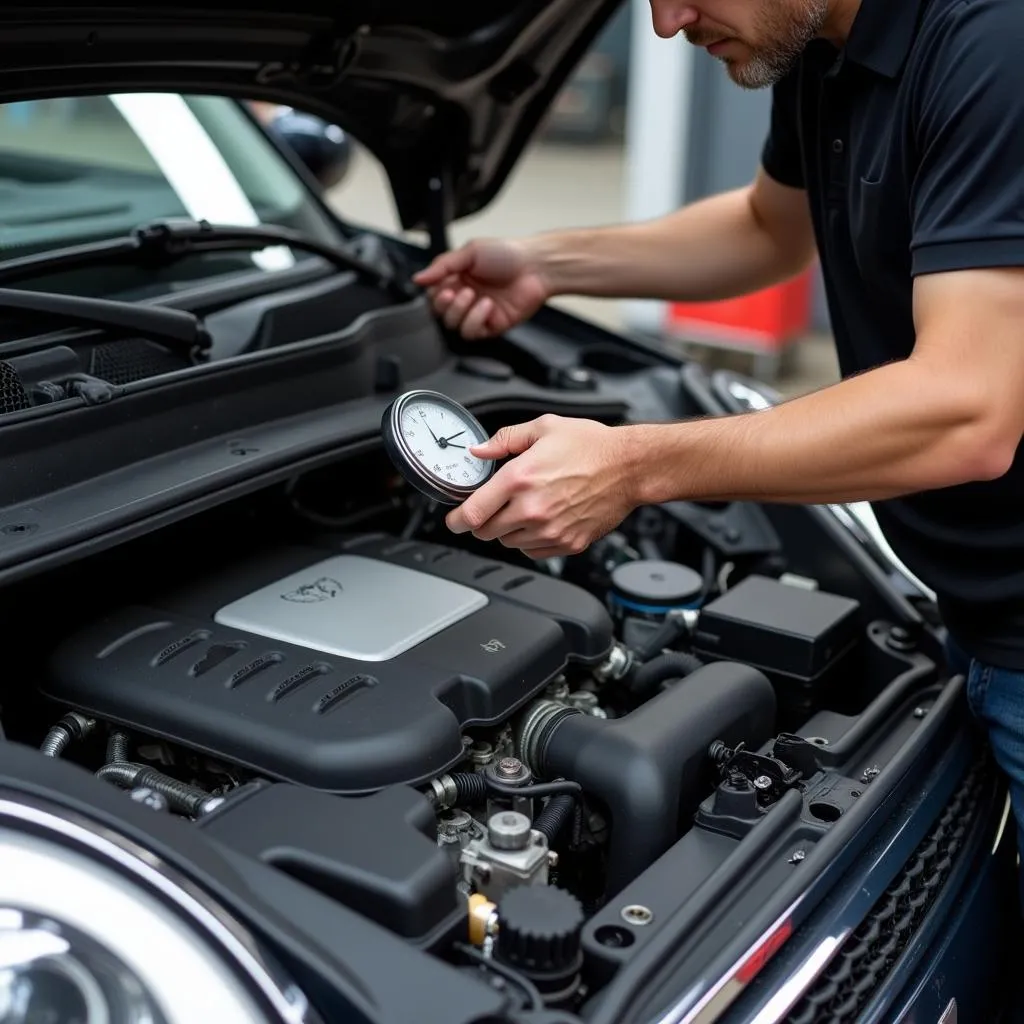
801	639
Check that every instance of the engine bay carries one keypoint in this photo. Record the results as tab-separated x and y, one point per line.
345	672
491	758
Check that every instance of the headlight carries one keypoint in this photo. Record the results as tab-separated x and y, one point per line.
83	942
54	972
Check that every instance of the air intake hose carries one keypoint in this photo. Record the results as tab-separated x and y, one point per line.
650	768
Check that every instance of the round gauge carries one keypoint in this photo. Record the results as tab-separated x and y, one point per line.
428	437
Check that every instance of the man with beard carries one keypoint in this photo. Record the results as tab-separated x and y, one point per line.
896	155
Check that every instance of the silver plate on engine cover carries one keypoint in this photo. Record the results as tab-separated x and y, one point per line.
354	607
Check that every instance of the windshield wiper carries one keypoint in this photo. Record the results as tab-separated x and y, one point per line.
165	241
177	329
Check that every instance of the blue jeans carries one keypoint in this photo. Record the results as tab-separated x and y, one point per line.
996	699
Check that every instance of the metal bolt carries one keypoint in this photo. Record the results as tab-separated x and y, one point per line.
763	783
510	767
481	753
798	856
615	666
454	822
558	690
870	773
920	712
637	914
900	639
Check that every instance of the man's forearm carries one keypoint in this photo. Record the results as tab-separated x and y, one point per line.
712	249
893	431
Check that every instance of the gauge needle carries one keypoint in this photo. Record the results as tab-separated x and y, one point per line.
452	438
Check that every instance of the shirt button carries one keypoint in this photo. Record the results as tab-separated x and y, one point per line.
837	145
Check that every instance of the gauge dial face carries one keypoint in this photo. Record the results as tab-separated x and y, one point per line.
428	437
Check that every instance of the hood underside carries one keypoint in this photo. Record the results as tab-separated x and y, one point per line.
446	95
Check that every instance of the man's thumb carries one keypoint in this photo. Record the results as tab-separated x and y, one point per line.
457	261
511	440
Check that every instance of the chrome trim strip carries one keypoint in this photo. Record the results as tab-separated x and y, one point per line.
717	999
801	980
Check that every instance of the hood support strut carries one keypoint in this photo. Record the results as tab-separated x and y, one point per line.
439	189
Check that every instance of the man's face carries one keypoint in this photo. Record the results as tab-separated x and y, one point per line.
758	40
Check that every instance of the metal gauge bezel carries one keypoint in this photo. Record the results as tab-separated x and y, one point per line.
406	462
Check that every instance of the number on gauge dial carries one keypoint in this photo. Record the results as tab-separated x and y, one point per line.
440	439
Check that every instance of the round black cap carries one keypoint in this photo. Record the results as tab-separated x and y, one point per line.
540	928
651	582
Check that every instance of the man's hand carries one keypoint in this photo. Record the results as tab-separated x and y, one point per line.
570	484
486	287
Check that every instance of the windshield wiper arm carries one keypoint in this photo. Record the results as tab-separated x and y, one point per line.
177	329
172	239
165	241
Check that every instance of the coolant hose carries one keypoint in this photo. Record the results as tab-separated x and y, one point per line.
674	665
180	796
117	746
556	815
457	790
650	767
72	726
665	636
470	787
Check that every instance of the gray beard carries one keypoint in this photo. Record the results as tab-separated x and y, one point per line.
789	35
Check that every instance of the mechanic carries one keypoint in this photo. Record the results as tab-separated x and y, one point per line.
895	154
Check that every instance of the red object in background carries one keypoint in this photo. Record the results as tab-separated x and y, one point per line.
764	320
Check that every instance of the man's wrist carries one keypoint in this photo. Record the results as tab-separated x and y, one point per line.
644	468
546	256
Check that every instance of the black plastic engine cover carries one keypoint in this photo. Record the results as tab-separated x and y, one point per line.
312	716
376	854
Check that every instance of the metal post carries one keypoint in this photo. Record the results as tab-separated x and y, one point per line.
658	106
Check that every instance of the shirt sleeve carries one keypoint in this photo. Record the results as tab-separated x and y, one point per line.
967	195
782	156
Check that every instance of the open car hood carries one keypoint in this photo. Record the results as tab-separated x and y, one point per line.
446	95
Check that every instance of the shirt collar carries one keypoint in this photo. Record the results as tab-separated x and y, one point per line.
882	34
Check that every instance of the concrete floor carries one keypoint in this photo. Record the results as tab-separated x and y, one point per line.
563	185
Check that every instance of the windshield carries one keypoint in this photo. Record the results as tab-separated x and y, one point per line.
83	169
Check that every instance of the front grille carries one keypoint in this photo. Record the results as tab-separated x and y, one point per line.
867	957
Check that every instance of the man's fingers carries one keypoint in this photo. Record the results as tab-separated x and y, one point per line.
511	440
475	324
442	300
456	262
479	507
506	525
459	307
539	554
449	283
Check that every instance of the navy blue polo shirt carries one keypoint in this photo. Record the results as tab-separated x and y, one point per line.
910	145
